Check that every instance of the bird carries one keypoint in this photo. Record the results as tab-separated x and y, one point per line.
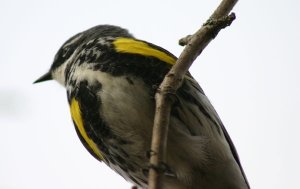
111	79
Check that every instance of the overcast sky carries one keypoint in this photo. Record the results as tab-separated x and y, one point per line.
250	72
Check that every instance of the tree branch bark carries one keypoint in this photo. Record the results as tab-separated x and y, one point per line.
194	46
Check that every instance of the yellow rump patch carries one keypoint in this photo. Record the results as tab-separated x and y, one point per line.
76	116
128	45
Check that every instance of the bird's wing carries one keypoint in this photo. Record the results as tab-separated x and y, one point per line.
191	92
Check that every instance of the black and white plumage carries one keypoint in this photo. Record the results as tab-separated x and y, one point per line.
111	78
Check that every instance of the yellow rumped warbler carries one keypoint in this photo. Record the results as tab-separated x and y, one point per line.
111	78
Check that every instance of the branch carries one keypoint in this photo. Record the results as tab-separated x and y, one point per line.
195	44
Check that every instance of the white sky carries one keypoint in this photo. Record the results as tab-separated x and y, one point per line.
251	73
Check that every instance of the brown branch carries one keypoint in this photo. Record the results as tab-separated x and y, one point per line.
194	46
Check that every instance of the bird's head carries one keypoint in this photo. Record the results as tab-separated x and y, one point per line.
64	55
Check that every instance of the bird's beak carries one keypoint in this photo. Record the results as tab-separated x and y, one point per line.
44	77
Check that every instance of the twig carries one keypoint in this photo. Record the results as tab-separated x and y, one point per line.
172	81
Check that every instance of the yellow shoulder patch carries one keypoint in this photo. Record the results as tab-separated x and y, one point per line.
132	46
76	116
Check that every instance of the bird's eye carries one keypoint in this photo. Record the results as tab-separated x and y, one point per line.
65	52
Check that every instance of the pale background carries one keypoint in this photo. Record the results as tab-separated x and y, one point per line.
251	73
